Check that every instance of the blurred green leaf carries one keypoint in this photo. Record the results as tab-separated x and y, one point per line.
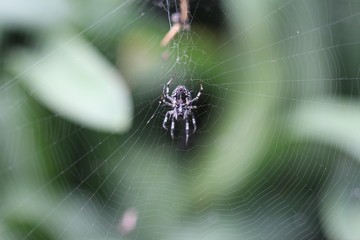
32	13
340	208
47	216
245	132
336	123
72	79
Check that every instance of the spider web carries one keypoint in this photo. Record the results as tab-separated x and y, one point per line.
276	153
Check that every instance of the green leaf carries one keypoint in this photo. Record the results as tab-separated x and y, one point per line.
73	80
335	123
340	208
32	13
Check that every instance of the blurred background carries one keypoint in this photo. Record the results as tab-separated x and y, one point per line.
83	154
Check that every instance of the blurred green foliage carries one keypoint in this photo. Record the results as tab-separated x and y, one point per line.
277	156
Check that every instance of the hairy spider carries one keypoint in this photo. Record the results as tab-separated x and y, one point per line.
181	102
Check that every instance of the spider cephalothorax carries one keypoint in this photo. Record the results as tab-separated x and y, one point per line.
181	102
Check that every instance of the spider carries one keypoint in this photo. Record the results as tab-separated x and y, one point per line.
181	102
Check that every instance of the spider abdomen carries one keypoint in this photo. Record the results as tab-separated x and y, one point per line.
180	93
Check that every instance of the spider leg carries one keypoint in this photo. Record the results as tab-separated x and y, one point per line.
166	89
168	113
192	107
172	127
194	123
186	130
199	93
170	99
165	102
